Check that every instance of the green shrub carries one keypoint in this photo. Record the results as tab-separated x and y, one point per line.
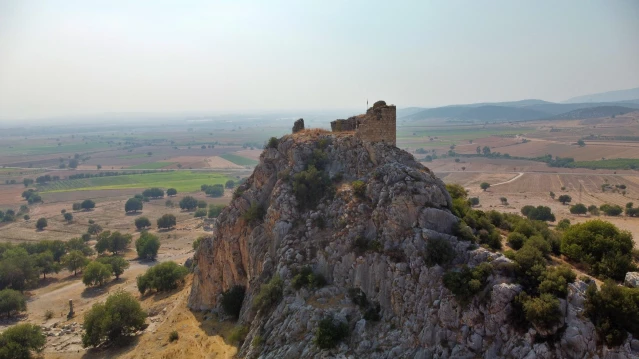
255	213
543	311
121	315
273	142
329	333
48	314
614	310
467	282
439	251
238	334
269	295
215	210
539	213
463	232
563	224
310	186
201	204
555	280
611	210
200	213
306	278
540	243
142	223
173	336
12	301
359	188
232	300
166	221
20	340
600	245
516	240
162	277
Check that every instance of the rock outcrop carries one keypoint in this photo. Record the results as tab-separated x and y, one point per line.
404	207
298	125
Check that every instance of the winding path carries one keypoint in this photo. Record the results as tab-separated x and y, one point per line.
510	180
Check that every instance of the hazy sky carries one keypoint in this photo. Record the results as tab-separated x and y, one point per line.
81	57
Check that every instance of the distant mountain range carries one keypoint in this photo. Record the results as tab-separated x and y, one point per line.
610	96
524	110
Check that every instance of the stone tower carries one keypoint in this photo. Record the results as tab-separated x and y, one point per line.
378	124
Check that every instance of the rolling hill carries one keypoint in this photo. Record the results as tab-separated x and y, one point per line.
610	96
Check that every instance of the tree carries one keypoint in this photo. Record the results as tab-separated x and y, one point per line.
12	301
68	217
564	198
94	229
133	205
18	341
99	167
147	246
118	264
592	209
581	143
474	201
162	277
552	194
75	261
216	190
87	204
484	186
41	223
578	208
76	206
539	213
121	315
27	182
504	200
166	221
73	163
200	213
154	192
611	210
45	263
188	203
142	223
478	150
230	184
96	274
78	244
171	192
201	204
113	242
485	150
600	245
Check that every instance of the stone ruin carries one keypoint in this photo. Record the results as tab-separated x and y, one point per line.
298	125
378	124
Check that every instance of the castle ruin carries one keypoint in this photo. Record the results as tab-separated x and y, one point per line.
377	124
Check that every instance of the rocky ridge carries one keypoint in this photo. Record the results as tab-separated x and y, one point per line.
404	207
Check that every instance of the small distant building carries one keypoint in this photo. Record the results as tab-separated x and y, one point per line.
378	124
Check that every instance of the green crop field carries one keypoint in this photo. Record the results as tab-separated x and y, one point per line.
150	166
239	160
610	164
183	181
49	149
131	157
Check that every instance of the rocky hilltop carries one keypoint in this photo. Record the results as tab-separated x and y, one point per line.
367	240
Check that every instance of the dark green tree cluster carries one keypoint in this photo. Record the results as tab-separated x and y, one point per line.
539	213
601	246
120	315
11	302
162	277
475	225
154	192
215	210
171	192
614	310
21	340
467	282
612	210
133	205
167	221
113	242
188	203
142	223
31	196
307	278
147	246
330	332
216	190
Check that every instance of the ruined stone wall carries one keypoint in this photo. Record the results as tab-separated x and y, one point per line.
379	125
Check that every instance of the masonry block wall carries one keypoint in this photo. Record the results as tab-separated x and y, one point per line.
378	124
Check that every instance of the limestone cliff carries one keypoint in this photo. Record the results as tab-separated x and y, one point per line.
403	208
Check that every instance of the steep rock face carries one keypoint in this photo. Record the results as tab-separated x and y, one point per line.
404	207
